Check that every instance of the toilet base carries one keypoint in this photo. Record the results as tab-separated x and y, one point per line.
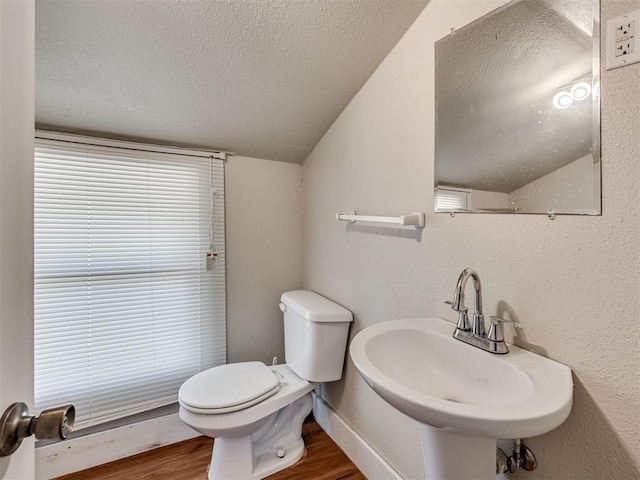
275	446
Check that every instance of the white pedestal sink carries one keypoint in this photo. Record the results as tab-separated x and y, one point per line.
464	398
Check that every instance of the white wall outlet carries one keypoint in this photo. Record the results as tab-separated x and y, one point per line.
622	44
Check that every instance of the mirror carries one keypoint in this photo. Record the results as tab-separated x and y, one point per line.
518	111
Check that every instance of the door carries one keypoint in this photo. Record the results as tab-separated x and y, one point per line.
17	52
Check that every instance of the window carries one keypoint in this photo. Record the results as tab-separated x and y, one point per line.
451	199
125	308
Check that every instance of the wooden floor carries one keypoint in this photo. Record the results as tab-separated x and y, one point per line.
189	460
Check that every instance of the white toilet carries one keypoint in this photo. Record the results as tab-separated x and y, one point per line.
256	412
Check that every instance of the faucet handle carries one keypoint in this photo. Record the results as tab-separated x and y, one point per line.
497	320
459	308
463	317
495	329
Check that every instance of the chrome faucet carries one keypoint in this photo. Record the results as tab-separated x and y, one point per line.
474	334
477	327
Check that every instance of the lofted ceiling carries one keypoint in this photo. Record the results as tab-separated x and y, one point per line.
262	78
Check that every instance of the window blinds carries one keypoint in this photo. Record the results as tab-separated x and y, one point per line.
449	199
125	309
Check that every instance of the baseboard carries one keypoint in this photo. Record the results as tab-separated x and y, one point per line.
368	461
77	454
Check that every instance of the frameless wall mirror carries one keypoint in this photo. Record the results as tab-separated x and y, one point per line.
518	111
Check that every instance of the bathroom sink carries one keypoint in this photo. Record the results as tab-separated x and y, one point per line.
416	366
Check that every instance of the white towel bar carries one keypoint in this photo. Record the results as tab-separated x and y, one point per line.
415	219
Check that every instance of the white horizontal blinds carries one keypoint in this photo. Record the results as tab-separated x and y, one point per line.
125	310
452	199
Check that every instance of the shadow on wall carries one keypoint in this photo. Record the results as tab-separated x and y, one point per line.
404	232
504	310
588	440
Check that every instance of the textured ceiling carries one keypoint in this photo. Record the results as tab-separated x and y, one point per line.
261	78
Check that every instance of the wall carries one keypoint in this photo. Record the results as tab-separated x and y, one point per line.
572	282
489	200
550	190
264	253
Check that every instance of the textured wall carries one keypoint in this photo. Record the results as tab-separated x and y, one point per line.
572	282
582	174
264	253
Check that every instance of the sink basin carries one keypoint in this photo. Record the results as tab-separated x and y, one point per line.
460	393
417	367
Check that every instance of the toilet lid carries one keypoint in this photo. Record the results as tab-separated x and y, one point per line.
228	388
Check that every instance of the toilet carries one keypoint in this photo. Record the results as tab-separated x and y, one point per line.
254	411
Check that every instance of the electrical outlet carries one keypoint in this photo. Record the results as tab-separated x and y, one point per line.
622	46
624	30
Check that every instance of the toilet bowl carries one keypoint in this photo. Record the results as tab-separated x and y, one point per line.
255	412
253	438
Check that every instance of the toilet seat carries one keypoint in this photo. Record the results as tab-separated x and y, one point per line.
228	388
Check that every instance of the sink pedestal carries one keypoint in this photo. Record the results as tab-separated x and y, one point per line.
448	456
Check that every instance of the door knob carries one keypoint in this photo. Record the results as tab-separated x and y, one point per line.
16	424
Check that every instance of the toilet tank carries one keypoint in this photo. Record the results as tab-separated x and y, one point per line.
315	335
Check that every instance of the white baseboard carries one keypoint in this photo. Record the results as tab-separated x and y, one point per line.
77	454
368	461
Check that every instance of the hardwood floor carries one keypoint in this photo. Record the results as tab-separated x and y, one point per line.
188	460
